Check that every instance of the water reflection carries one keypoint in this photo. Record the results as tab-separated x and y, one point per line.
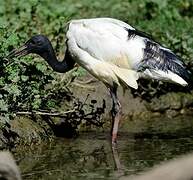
90	157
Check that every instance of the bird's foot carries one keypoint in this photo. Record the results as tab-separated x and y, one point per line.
118	167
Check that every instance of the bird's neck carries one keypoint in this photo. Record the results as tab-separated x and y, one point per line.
58	66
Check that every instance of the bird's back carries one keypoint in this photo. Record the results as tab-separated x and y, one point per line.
106	39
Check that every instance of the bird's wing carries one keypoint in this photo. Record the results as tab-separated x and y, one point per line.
161	63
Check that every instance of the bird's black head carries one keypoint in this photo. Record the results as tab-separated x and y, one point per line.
38	44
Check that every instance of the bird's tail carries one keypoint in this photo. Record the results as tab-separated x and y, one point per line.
187	76
162	64
181	73
127	77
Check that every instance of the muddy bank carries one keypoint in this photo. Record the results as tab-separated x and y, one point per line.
168	115
24	130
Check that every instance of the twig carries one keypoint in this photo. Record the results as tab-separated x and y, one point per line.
81	85
58	114
89	81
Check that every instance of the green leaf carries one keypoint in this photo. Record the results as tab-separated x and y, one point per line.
12	40
2	81
13	89
41	67
36	103
3	105
79	72
51	103
24	78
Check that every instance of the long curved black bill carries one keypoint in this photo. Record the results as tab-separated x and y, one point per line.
22	51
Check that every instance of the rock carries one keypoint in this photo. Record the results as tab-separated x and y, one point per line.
8	167
172	113
178	169
167	101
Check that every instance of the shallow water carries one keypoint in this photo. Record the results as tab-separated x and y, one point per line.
90	157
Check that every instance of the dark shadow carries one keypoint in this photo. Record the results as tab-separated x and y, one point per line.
61	129
86	114
8	137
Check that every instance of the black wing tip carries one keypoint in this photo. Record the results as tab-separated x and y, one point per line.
188	77
171	61
134	32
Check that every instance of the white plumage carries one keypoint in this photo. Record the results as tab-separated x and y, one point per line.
103	47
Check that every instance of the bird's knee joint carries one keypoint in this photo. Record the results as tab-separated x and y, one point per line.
115	110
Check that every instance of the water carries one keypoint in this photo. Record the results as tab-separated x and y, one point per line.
90	156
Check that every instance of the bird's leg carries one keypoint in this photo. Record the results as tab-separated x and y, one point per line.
116	159
116	114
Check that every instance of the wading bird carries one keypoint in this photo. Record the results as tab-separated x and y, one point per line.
113	52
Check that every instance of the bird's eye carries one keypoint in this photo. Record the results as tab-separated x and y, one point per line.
38	42
32	42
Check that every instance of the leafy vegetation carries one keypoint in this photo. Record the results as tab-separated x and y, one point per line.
29	84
